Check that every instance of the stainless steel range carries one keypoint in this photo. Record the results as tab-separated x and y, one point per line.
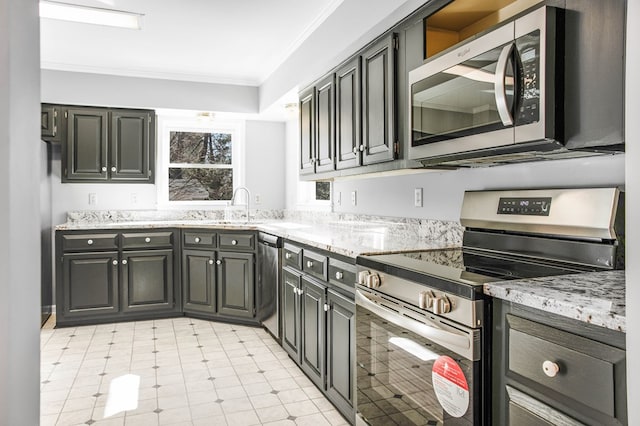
422	321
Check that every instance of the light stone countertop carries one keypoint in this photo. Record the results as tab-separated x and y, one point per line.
596	297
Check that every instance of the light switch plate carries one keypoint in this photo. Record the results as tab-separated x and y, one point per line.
93	199
354	199
417	197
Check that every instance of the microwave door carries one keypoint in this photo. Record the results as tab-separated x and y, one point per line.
467	106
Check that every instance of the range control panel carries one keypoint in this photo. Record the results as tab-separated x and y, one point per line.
538	206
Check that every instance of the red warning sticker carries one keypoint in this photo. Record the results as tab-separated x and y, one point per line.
450	386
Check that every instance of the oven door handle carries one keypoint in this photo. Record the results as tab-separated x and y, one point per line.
460	343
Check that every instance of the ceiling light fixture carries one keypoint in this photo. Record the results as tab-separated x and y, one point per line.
90	15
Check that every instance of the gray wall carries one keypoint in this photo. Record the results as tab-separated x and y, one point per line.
633	211
20	213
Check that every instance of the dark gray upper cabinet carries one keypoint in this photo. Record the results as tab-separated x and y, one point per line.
379	101
348	141
108	145
50	130
131	145
236	284
325	124
307	132
199	281
85	153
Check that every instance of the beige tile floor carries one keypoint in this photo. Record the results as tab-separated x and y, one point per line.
178	371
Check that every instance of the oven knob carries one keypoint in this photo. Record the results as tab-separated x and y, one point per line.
441	305
372	280
425	300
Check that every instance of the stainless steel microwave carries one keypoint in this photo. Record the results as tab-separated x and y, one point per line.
494	95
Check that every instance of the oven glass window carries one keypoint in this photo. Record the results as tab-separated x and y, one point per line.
394	376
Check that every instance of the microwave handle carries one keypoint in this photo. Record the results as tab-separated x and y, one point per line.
501	95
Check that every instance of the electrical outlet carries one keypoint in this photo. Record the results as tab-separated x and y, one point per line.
134	198
257	199
417	197
354	200
93	199
339	198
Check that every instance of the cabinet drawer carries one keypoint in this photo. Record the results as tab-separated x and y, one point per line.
199	239
315	264
342	274
237	241
293	256
571	365
89	242
137	240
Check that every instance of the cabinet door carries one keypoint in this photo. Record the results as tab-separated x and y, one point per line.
341	352
236	284
89	285
325	124
291	313
348	142
131	146
147	280
307	132
49	123
313	330
379	101
85	153
199	281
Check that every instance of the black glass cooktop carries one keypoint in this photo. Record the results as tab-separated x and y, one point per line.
463	266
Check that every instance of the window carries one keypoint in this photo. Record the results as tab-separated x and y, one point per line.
200	162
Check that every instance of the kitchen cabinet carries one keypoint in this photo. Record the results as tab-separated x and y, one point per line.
318	313
50	130
108	145
218	274
236	284
379	101
317	127
115	276
307	131
546	367
348	137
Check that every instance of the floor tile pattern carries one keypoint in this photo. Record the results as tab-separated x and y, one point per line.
190	372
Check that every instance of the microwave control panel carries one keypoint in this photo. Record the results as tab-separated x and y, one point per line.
528	109
538	206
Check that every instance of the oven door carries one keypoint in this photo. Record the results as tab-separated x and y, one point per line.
407	371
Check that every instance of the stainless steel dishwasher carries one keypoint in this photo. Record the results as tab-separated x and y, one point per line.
268	292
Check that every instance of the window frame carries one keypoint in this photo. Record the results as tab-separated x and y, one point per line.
168	124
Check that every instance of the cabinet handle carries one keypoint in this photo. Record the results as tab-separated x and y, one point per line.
309	264
113	169
115	262
355	150
90	242
300	292
287	255
550	368
147	240
339	275
218	262
197	239
210	261
234	242
124	261
361	147
104	168
326	307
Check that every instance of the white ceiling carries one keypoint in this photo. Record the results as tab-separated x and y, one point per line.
216	41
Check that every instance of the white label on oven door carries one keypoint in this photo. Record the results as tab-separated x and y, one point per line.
450	386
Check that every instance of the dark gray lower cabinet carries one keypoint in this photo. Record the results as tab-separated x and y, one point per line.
313	330
340	352
147	280
89	285
199	281
291	313
236	284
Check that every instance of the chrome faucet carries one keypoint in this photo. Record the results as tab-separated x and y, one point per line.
233	198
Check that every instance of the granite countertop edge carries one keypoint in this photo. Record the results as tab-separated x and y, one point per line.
596	298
